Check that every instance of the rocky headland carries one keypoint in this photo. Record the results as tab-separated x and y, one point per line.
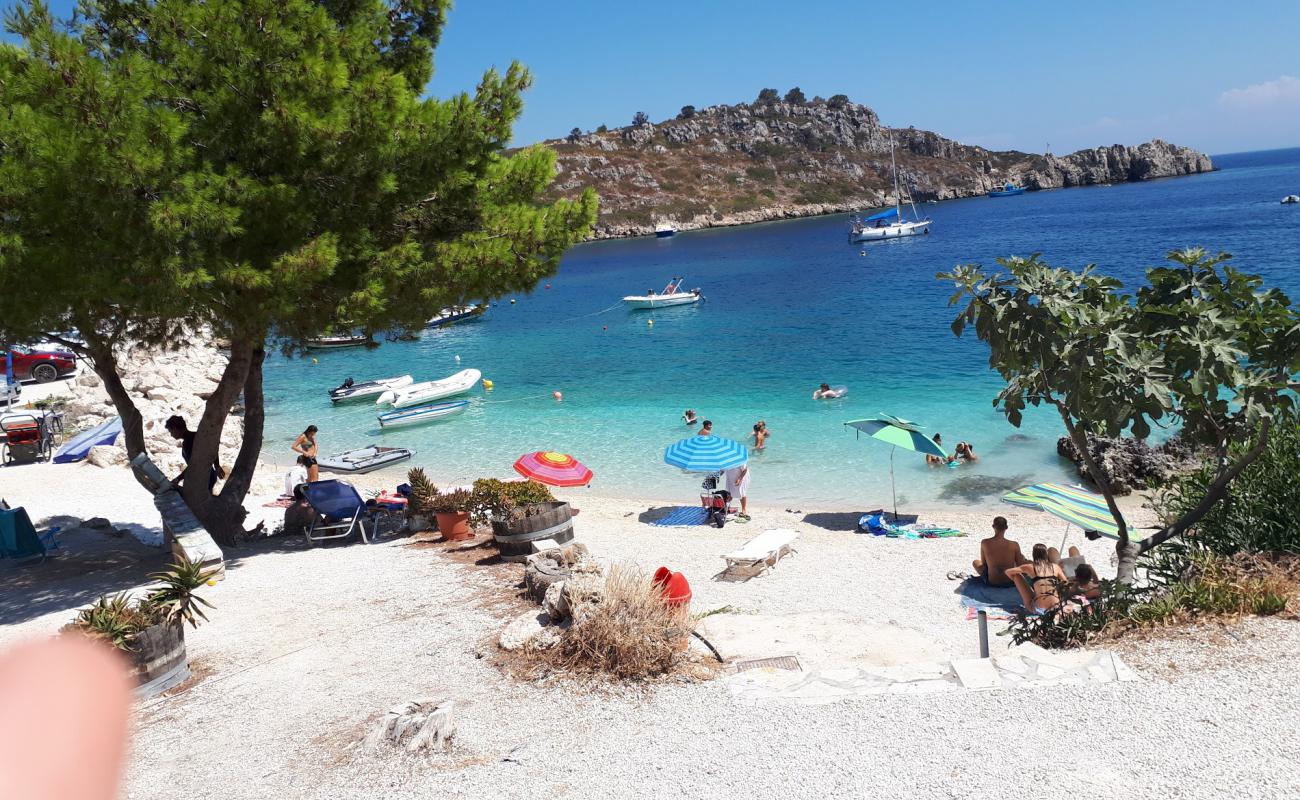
737	164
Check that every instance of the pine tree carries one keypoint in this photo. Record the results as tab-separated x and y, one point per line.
257	168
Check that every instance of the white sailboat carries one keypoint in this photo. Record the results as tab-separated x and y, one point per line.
890	224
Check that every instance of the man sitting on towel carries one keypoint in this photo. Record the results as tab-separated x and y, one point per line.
997	555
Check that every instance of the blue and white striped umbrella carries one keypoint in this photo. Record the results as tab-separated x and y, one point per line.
706	454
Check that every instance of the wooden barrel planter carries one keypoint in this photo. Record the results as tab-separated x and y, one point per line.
515	537
158	661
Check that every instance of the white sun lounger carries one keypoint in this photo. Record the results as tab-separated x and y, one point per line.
761	552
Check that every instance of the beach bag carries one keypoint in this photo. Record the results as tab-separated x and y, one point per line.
874	523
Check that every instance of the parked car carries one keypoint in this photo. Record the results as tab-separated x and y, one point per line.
41	366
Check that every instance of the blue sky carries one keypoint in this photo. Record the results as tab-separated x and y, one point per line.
1216	76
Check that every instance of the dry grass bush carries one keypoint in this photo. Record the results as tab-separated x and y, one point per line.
629	632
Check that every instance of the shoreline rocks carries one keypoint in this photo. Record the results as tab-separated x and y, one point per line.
1130	464
162	382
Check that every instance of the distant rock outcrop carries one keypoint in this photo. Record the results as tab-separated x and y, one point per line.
735	164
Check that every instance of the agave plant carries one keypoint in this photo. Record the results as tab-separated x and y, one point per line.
112	618
175	602
423	493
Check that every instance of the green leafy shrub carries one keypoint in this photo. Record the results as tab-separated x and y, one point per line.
1259	514
505	500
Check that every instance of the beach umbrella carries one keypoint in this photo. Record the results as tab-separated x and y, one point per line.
899	433
1074	504
553	469
706	454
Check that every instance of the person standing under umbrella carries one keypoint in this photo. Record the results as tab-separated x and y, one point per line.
738	485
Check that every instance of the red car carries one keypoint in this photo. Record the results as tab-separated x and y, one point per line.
41	366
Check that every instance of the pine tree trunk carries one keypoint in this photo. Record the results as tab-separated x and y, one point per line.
222	515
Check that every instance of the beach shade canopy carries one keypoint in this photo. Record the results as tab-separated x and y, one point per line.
1073	504
900	433
706	454
553	469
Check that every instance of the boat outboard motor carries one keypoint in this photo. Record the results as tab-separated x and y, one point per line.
347	384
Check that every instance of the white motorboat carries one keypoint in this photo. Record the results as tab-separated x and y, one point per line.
454	314
337	342
363	459
428	391
415	416
890	224
672	295
1291	199
664	230
355	391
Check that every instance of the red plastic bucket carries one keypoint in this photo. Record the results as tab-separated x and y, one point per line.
675	588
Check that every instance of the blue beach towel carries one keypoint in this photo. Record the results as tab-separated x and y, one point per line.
1000	602
683	516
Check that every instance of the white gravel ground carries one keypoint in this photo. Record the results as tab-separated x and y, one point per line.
306	646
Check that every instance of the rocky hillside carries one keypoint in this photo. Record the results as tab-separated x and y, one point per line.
730	165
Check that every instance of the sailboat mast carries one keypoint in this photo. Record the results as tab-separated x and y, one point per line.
893	162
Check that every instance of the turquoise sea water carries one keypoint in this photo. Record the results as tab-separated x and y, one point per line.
789	305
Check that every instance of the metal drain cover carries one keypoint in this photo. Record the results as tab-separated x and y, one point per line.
777	662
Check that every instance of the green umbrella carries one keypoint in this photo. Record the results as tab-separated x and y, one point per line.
900	433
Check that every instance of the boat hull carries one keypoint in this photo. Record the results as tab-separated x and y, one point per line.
660	301
450	316
361	391
363	460
665	234
421	415
336	343
1006	193
422	393
895	231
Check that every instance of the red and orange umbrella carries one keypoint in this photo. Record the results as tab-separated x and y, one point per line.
553	469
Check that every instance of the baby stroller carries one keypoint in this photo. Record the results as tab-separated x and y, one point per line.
716	501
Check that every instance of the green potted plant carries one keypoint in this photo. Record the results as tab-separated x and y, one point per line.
150	629
521	512
452	510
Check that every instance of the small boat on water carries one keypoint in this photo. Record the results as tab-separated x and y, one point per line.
428	391
337	342
415	416
454	314
363	459
1291	199
664	230
890	224
672	295
1009	190
355	391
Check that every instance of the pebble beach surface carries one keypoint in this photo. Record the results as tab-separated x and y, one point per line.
307	647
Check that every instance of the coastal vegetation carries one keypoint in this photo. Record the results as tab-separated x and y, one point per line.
254	171
119	619
1201	348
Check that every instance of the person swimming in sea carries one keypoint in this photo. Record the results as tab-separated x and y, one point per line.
689	417
760	434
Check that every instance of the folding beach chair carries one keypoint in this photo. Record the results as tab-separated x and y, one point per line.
339	509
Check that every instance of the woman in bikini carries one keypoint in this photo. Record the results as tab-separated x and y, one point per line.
305	445
1039	582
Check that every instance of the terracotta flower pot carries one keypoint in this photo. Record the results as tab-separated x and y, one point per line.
454	526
